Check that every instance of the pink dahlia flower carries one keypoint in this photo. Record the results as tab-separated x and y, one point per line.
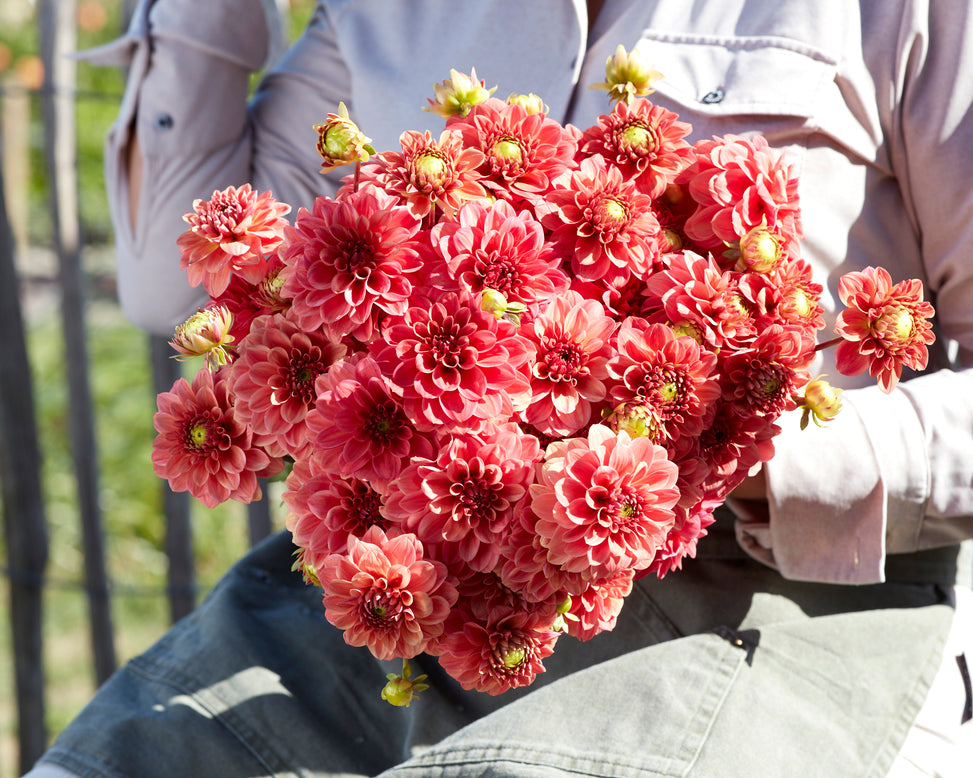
739	184
247	300
699	299
467	495
428	175
596	609
231	233
358	427
603	222
349	261
273	379
731	445
621	299
453	363
385	595
524	152
203	446
672	375
883	327
323	510
646	141
765	377
524	566
682	539
504	652
798	296
605	503
495	247
571	338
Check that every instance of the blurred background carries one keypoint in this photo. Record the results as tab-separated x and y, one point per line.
97	561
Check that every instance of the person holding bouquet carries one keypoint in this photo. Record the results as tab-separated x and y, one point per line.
818	623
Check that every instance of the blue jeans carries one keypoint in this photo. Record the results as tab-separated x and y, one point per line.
722	669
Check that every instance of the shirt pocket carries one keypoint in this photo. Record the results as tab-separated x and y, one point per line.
742	85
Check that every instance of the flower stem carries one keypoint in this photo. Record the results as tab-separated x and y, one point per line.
828	344
357	174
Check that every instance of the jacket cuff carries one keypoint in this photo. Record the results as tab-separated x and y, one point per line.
834	492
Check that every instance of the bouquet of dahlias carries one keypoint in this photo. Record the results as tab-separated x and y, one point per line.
510	368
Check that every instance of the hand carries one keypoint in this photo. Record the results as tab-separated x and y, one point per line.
754	487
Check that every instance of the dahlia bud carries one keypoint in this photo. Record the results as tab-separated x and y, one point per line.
400	690
458	94
822	401
205	334
761	250
639	421
530	103
496	303
628	75
564	615
340	142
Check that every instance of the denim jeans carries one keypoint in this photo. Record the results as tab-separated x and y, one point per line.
721	669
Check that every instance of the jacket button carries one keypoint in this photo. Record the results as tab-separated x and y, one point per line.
716	96
163	122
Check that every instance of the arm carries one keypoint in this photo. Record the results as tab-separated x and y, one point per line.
185	129
893	473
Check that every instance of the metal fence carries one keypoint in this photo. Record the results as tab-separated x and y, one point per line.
24	514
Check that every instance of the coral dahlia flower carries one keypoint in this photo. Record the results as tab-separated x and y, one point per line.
454	363
603	222
799	296
524	151
695	296
349	261
672	375
204	447
646	141
596	609
605	503
504	652
467	495
524	566
231	233
385	595
246	300
884	326
428	175
492	246
323	510
682	539
273	379
568	376
358	426
765	377
739	184
731	444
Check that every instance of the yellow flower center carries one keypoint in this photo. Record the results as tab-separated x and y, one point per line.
688	329
896	326
514	658
198	435
801	302
637	138
508	150
431	169
761	250
669	391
